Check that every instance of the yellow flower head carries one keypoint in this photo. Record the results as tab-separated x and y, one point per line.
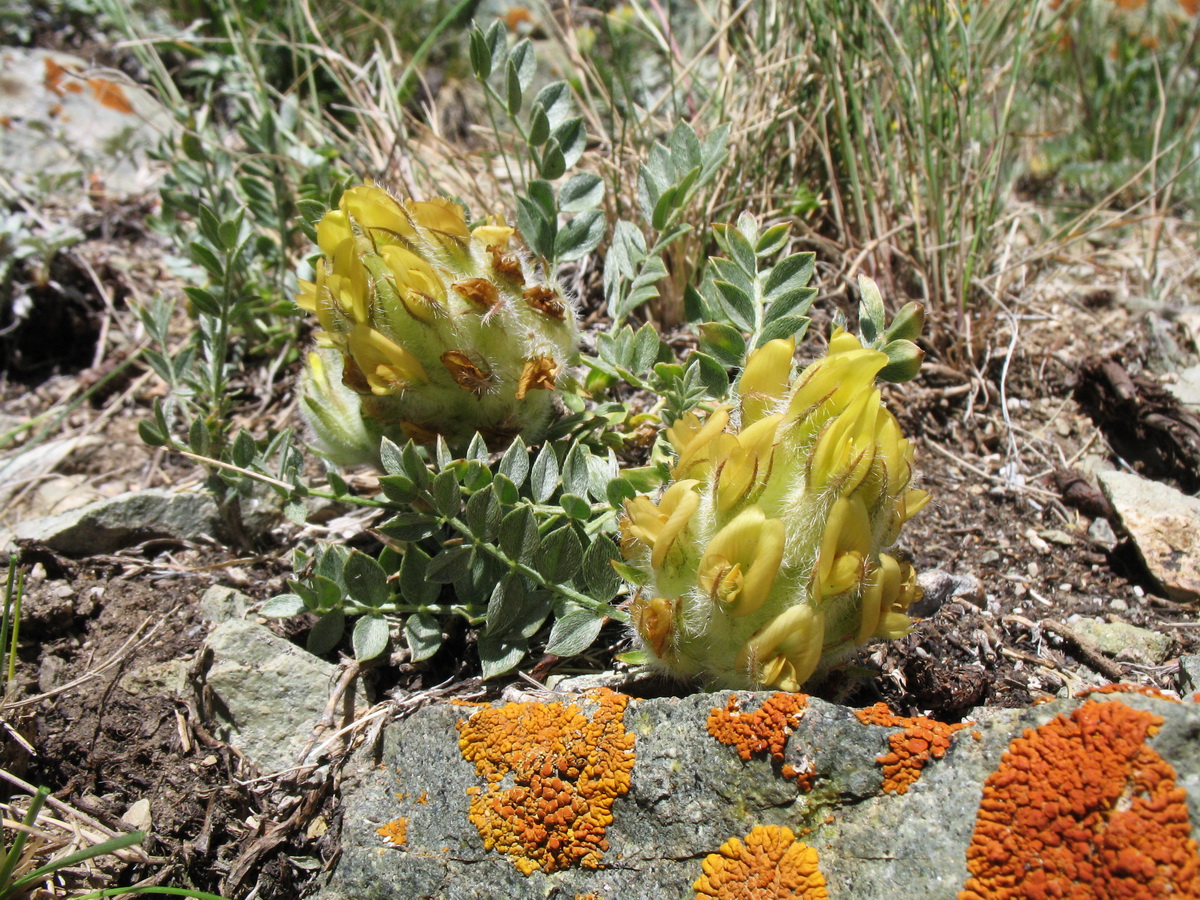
765	559
444	330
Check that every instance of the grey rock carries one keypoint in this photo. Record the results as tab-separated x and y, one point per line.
1187	388
1189	675
109	525
269	693
1101	531
19	469
164	679
689	794
940	587
220	604
1164	525
64	117
1133	644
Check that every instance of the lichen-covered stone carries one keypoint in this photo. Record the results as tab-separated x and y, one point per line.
690	794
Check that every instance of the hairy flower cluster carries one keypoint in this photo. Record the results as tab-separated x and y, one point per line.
428	327
764	558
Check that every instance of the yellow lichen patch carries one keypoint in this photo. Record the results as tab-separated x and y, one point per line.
770	865
565	772
765	730
921	740
394	832
1082	809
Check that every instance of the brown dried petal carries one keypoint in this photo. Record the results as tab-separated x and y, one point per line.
479	291
466	374
545	301
506	264
539	374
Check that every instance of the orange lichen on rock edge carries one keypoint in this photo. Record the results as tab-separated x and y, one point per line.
1082	808
566	770
921	740
766	730
394	832
770	865
1143	689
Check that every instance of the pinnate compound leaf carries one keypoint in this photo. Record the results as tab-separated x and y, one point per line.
500	655
545	474
581	193
365	580
415	586
519	535
560	555
574	631
505	604
369	638
423	634
327	633
449	565
598	575
283	606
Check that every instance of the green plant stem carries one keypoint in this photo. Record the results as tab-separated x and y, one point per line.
14	622
113	844
4	621
536	577
8	887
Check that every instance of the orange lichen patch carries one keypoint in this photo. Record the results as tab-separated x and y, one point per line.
764	731
1143	689
423	798
921	740
565	771
53	79
109	94
770	865
805	775
394	832
588	897
513	19
1081	808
